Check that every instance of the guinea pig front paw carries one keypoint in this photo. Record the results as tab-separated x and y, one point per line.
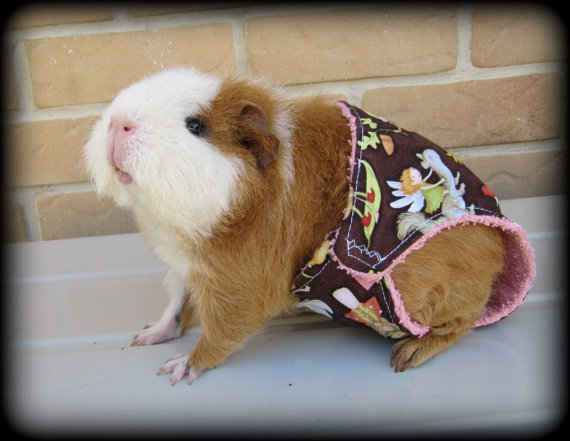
158	332
179	367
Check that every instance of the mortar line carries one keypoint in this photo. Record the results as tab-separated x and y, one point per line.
120	25
240	51
23	82
29	215
70	187
27	197
67	112
464	36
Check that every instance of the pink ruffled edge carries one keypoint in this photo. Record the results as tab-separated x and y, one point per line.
352	124
510	288
366	280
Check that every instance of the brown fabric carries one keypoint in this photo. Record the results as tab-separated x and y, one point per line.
402	186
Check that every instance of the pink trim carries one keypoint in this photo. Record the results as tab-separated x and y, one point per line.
415	328
517	277
365	279
510	288
352	124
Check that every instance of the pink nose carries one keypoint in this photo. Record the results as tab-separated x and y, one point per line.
120	130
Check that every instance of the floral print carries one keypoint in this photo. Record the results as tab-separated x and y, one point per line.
368	122
317	306
487	191
388	144
408	189
320	254
371	199
413	192
370	140
368	313
400	184
423	198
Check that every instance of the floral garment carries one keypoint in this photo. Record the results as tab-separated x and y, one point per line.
404	189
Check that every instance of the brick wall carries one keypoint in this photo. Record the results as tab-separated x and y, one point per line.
481	81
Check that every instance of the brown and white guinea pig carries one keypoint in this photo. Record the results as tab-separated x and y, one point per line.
234	186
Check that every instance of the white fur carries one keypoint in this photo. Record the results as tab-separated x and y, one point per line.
167	327
179	178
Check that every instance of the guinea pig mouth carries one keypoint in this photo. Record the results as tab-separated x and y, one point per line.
123	176
114	161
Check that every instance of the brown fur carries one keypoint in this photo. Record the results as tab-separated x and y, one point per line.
445	285
241	275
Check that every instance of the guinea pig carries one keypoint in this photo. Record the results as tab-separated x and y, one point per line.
261	203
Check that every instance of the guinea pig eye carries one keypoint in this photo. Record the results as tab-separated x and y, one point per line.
195	126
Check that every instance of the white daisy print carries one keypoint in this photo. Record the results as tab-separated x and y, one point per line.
409	190
317	306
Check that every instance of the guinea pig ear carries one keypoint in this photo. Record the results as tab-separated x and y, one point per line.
254	132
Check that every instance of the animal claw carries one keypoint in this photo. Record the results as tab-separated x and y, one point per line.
179	367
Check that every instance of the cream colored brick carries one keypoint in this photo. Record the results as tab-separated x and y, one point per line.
44	15
470	113
176	8
93	68
353	44
310	93
67	215
16	230
335	96
47	152
501	37
516	174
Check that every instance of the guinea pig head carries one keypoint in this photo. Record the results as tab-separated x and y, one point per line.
180	143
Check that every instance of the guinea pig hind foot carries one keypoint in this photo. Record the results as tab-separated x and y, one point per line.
412	352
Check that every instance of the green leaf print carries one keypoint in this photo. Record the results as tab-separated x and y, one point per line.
368	122
434	198
372	202
370	140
